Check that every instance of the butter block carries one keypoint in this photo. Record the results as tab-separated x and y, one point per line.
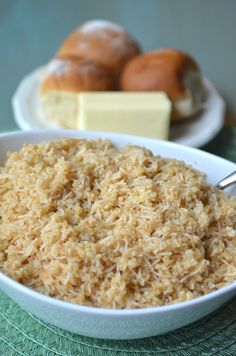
142	114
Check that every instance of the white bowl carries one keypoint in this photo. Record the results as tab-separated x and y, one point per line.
108	323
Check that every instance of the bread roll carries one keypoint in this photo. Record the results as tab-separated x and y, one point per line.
171	71
63	80
103	42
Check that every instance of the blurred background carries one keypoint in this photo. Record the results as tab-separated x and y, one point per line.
31	32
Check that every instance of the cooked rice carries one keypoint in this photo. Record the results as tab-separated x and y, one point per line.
87	223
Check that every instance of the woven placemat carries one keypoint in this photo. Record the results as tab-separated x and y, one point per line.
23	334
224	144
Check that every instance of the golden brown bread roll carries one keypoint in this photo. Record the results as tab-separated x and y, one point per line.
171	71
61	82
75	74
103	42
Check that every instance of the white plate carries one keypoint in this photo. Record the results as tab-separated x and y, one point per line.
110	323
195	132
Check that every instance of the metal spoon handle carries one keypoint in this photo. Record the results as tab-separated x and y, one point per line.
227	181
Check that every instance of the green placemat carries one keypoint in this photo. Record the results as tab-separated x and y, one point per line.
23	334
224	144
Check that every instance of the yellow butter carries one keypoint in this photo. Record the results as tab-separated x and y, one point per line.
143	114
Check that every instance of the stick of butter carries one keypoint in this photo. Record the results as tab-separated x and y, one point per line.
143	114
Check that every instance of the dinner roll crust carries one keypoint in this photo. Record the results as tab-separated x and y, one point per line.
75	75
103	42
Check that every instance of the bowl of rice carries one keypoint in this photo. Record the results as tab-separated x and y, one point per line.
114	236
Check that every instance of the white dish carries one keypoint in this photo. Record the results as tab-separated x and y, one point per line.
108	323
195	132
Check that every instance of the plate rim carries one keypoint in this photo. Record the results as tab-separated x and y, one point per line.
26	122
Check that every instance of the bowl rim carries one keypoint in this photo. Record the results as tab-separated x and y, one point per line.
39	297
14	285
106	134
